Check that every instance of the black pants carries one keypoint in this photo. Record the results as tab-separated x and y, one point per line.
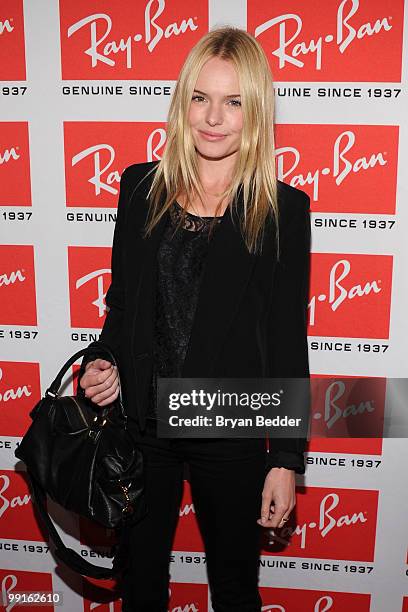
226	479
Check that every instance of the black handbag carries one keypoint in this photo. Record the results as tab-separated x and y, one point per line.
86	460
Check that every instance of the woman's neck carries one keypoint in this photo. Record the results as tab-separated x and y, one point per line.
208	208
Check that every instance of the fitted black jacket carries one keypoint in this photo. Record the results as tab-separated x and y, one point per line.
251	315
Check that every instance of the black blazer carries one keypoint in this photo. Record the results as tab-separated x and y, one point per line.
251	314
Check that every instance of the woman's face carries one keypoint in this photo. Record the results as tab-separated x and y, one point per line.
215	109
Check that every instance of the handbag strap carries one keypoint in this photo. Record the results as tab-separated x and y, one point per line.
69	556
54	387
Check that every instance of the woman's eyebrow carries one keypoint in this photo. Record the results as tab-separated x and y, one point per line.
229	95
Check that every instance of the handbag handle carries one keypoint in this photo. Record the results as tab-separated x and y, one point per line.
69	556
56	383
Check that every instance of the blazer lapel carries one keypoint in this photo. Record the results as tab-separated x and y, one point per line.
226	272
143	281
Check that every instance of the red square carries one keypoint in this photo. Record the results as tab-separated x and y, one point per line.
96	153
16	581
12	48
328	523
19	392
350	295
15	182
17	518
318	601
17	285
188	597
341	166
188	535
89	271
344	408
352	40
110	39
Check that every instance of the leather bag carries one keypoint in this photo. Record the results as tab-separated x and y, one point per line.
86	460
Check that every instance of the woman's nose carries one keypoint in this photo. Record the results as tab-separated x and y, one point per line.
214	115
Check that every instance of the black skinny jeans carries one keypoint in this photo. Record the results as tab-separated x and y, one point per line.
226	479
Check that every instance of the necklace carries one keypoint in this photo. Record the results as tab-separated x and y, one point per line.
216	195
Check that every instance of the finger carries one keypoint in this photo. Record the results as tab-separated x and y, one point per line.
284	520
100	382
101	376
276	517
96	364
104	396
102	392
265	508
89	365
280	512
110	399
102	364
93	375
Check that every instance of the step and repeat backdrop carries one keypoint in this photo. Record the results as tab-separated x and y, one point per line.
85	88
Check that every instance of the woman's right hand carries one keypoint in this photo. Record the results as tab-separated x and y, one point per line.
100	382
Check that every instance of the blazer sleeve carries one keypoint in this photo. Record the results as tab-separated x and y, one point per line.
115	296
287	323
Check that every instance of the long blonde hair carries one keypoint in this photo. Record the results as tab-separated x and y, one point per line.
254	171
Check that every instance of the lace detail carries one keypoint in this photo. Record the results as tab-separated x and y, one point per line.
180	264
192	223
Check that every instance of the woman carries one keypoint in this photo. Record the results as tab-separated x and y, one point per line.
210	270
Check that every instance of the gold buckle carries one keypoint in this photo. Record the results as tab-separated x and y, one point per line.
128	508
96	420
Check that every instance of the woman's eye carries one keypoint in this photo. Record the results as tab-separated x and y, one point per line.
233	102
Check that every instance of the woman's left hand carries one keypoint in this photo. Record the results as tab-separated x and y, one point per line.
278	497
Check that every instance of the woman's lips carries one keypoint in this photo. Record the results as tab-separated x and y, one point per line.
208	136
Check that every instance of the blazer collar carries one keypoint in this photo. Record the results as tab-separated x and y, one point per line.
226	273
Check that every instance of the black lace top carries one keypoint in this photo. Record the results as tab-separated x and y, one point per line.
180	263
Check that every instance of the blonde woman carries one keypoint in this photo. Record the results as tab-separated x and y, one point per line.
210	269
